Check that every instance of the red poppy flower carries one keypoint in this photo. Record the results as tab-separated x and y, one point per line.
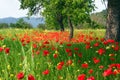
96	44
61	63
90	71
38	52
101	51
116	48
55	55
91	78
87	46
69	62
107	72
34	45
76	49
85	65
80	55
101	66
46	42
68	50
46	72
7	50
59	67
81	77
69	44
95	60
31	77
20	75
45	52
1	49
70	54
118	66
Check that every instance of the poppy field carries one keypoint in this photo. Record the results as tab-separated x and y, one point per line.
50	55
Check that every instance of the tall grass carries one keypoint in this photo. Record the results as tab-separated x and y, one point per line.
60	60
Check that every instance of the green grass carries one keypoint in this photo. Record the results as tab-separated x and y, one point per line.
24	58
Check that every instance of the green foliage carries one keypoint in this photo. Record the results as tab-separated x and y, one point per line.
57	12
41	26
21	24
4	25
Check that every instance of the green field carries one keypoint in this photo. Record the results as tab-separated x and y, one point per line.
48	55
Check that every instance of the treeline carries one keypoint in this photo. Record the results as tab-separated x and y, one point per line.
98	21
19	24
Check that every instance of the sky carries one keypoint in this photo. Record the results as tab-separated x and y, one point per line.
11	8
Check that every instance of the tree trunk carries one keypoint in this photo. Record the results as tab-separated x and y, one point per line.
61	25
60	21
71	28
113	20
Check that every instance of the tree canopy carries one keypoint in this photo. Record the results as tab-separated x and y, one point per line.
56	10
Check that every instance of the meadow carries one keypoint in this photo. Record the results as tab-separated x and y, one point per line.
49	55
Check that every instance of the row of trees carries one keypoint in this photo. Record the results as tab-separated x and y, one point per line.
72	12
61	13
24	25
19	24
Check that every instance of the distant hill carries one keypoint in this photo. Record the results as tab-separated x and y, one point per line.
32	20
100	17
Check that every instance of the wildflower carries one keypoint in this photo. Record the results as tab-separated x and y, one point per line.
76	49
118	66
68	50
69	54
108	47
20	75
38	52
101	51
96	44
1	49
7	50
59	67
61	63
55	55
112	59
90	71
45	52
91	78
60	77
46	72
85	65
34	45
68	44
95	60
115	72
11	75
80	55
111	55
87	46
107	72
8	67
116	48
81	77
69	62
101	66
46	42
31	77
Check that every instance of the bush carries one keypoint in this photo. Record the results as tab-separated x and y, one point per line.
4	25
41	26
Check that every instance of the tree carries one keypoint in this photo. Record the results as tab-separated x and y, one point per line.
4	25
61	12
51	17
53	14
22	24
113	20
77	11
